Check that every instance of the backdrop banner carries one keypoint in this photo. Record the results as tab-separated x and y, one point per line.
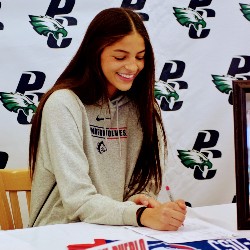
200	47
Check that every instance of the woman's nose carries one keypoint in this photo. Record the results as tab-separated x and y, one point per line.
131	66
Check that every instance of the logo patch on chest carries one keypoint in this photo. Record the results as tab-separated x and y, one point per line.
101	147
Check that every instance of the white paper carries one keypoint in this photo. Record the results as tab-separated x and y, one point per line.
8	242
193	230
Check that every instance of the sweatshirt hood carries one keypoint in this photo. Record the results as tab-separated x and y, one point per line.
118	101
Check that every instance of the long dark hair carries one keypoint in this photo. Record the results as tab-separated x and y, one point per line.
85	78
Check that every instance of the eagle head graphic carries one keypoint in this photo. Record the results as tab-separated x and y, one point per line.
44	25
188	16
15	102
193	158
164	90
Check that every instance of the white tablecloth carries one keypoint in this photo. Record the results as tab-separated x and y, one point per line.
57	237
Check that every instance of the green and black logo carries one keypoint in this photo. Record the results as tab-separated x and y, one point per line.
238	70
17	102
245	9
45	25
25	98
170	84
163	90
224	84
198	162
187	17
198	158
195	17
54	22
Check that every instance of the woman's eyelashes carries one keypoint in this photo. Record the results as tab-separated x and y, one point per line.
119	58
123	58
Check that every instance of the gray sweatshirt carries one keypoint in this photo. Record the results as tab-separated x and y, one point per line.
86	157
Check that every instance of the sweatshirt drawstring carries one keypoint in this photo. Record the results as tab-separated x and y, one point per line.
105	127
117	126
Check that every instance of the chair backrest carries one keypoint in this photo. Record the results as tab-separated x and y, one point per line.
13	181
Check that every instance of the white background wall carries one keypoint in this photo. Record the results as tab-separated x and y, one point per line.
200	119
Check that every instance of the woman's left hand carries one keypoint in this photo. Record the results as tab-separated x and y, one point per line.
142	199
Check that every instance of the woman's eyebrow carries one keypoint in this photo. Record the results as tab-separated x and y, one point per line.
141	51
124	51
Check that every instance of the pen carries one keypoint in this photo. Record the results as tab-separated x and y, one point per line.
170	196
169	193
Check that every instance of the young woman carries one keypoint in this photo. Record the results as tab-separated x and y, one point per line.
97	142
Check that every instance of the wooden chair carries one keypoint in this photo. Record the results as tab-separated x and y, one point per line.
13	181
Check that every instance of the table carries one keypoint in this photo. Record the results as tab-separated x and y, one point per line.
57	237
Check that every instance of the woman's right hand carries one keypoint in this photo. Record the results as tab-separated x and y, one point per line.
166	217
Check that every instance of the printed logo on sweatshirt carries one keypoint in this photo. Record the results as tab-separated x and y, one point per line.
108	133
101	147
98	118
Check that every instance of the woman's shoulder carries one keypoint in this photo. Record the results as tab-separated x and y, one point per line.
63	97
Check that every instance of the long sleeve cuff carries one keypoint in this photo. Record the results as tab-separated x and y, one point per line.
129	215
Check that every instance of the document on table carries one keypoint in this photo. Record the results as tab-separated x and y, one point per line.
8	242
193	230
